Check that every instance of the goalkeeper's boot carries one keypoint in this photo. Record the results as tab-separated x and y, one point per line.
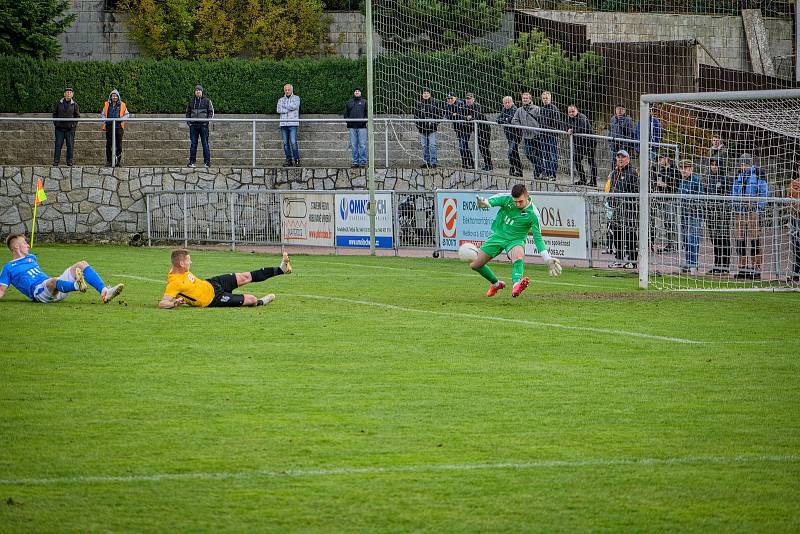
286	265
111	293
494	288
80	281
520	286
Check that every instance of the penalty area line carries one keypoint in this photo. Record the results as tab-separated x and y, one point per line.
400	469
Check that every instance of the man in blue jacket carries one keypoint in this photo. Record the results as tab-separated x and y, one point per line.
690	188
749	188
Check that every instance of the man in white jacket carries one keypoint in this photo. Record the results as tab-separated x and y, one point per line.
289	109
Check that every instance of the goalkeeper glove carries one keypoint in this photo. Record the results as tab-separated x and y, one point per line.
553	265
482	202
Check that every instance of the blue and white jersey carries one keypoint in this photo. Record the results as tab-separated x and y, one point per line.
24	274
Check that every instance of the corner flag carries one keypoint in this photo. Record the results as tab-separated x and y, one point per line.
37	199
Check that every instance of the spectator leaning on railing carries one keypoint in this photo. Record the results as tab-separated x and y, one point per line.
289	109
66	108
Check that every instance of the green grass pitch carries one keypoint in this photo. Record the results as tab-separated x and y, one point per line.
388	394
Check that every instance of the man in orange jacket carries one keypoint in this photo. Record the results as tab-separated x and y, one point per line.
114	108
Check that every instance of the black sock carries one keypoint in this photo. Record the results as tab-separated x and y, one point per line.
259	302
267	272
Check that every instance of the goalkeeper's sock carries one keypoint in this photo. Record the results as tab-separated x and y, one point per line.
66	286
267	272
517	271
93	279
487	273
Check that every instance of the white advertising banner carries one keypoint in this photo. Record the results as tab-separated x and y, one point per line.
307	219
352	220
563	220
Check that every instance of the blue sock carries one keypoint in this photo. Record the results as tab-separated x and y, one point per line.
93	279
65	286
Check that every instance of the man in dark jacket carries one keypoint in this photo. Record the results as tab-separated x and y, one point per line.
427	108
625	221
551	119
718	215
472	112
199	107
505	116
66	108
356	108
620	127
664	180
454	110
583	147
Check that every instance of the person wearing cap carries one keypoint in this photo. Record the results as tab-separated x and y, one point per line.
66	108
426	112
356	108
114	108
289	109
528	116
620	127
664	180
472	112
579	124
749	188
513	137
551	119
624	223
718	216
690	187
454	110
201	108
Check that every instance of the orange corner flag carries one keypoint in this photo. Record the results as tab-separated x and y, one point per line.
40	194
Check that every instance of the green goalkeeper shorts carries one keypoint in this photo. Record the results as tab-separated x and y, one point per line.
495	245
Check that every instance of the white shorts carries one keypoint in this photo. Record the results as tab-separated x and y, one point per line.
42	294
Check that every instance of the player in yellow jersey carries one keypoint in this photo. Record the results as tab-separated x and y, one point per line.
183	287
516	217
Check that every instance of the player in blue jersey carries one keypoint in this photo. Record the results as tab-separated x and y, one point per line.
23	272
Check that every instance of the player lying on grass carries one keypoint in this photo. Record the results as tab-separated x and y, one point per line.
185	288
23	272
516	217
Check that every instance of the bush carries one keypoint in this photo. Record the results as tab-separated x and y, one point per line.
152	86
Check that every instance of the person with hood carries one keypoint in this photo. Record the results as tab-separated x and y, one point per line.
749	188
66	108
428	108
114	108
289	109
199	107
356	108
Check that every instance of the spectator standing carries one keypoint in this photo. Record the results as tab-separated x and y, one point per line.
527	115
505	116
472	112
200	108
718	216
794	227
624	222
749	188
356	108
454	110
114	108
551	119
690	188
620	128
583	147
66	108
664	180
655	137
719	151
289	109
428	108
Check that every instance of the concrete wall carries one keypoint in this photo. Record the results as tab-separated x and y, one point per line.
720	35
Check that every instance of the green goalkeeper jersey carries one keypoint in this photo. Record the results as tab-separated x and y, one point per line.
514	224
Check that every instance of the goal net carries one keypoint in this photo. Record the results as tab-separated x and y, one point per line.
726	215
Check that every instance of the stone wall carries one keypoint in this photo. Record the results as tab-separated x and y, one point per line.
98	203
721	36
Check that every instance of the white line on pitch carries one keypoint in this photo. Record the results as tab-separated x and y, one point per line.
504	319
378	470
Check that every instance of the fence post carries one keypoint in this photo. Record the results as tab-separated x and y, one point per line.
572	158
147	207
475	161
185	223
589	233
113	144
233	222
254	144
386	142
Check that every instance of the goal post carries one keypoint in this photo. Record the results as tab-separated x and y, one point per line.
726	216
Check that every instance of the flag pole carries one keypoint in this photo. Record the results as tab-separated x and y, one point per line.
33	226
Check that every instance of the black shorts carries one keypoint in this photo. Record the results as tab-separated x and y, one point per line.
223	286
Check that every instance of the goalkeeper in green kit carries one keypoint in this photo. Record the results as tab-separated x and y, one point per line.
516	217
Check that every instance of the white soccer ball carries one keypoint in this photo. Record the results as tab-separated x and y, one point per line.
467	252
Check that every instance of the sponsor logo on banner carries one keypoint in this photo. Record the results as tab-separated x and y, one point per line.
352	220
450	213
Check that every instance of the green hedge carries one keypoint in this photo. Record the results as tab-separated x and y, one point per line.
150	86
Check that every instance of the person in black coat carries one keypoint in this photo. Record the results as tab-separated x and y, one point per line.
454	111
718	215
472	112
583	147
505	116
199	107
66	108
428	108
356	108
